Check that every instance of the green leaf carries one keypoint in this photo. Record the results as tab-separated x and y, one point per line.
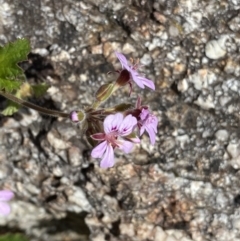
11	108
13	237
25	91
40	89
10	55
9	85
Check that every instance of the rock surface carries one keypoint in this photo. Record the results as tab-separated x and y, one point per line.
186	187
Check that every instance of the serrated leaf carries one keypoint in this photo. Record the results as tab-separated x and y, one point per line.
10	55
9	85
40	89
25	90
11	108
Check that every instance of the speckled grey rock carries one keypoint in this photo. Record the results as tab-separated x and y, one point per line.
186	187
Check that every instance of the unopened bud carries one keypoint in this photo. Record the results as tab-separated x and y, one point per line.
77	116
104	92
118	108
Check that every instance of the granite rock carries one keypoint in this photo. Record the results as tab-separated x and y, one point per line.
186	187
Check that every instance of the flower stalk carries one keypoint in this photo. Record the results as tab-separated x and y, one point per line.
30	105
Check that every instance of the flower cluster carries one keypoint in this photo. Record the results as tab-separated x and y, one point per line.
119	126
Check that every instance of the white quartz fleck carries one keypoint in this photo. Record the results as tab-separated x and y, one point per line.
62	56
128	48
205	103
183	85
195	187
160	234
234	149
79	198
231	84
183	140
146	59
222	135
41	51
202	79
223	100
216	49
57	142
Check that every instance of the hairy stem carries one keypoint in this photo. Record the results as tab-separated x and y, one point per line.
34	107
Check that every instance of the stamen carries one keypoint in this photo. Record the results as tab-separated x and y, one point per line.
131	60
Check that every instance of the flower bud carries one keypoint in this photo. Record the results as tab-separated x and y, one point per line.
77	116
118	108
104	92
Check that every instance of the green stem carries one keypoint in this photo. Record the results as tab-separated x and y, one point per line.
30	105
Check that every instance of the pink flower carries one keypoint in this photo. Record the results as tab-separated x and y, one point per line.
148	122
134	75
115	127
5	195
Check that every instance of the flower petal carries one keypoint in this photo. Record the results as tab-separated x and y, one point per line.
98	136
154	123
151	134
108	159
98	151
147	82
127	125
142	129
126	146
6	195
112	122
136	79
144	114
122	60
4	209
74	116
